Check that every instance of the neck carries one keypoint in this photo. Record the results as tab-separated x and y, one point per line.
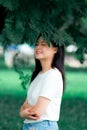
46	65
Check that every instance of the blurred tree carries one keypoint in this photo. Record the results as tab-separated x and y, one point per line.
64	21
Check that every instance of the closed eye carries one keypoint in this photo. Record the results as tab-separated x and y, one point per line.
42	43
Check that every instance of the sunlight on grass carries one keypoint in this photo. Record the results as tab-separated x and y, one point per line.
76	85
10	84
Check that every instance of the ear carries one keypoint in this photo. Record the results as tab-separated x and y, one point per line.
55	49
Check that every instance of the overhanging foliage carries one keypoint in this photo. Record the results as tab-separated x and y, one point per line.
63	21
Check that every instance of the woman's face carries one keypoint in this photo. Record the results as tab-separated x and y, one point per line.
43	51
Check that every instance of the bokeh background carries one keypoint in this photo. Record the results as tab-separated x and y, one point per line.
65	22
73	114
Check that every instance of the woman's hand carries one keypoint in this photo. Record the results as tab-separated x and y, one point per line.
27	115
24	113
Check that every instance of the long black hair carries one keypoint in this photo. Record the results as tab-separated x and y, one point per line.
58	62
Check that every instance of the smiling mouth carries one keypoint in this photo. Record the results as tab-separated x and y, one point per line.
38	52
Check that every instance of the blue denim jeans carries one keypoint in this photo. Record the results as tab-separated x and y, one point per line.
43	125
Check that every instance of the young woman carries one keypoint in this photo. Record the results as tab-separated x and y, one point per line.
41	108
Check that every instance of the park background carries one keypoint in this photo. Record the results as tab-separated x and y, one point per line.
73	114
21	21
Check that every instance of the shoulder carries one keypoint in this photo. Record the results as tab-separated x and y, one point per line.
54	75
51	75
55	72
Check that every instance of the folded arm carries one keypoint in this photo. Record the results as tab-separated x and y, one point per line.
36	111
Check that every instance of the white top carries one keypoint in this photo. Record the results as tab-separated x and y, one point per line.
49	85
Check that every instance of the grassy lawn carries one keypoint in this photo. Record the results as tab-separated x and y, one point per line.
73	108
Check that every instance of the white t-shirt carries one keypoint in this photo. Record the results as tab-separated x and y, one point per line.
49	85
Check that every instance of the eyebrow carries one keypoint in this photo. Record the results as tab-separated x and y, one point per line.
41	41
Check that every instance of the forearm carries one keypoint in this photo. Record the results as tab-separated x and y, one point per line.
24	106
40	107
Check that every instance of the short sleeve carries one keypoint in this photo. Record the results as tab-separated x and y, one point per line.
51	86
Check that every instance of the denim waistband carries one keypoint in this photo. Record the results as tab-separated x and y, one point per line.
45	124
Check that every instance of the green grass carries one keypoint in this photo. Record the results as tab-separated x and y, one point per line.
76	85
73	114
10	83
